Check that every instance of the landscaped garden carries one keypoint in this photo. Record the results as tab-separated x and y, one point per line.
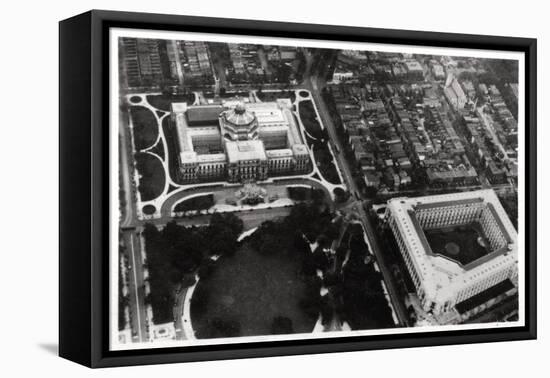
175	253
364	305
152	177
145	127
247	292
301	193
269	96
269	286
171	143
310	121
317	138
164	102
198	203
325	163
270	282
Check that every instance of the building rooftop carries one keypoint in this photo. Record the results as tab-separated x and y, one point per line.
245	150
284	152
239	115
480	298
199	115
440	275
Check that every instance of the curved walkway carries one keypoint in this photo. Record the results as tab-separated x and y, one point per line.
187	325
165	201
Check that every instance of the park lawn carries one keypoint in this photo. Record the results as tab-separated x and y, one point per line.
274	96
151	183
325	163
171	143
309	119
364	302
251	289
164	102
202	202
145	127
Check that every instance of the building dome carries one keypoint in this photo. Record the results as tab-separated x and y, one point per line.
239	116
239	123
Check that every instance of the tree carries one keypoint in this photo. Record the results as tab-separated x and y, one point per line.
311	305
341	195
223	328
320	259
269	246
281	326
326	309
206	269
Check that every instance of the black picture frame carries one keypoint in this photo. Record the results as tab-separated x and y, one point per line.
84	194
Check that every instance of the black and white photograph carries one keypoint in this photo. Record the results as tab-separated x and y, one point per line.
269	189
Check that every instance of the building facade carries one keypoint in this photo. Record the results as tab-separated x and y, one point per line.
238	142
446	286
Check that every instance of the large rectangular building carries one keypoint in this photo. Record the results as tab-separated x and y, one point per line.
460	250
238	142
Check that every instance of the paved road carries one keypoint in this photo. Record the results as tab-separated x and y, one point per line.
125	170
138	316
250	218
178	313
315	87
168	204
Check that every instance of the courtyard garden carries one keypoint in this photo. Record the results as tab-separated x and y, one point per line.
463	244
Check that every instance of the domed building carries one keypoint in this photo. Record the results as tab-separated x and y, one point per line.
238	142
239	124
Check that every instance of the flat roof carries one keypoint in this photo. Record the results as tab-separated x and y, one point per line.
203	114
486	295
442	277
211	158
284	152
458	202
245	150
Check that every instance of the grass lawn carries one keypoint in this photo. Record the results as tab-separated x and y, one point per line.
149	209
273	96
308	117
171	143
145	127
364	303
321	152
164	102
325	162
196	203
458	243
151	183
250	289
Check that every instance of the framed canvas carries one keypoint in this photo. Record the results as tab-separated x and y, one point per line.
235	188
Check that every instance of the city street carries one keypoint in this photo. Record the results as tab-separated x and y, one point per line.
138	317
327	121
